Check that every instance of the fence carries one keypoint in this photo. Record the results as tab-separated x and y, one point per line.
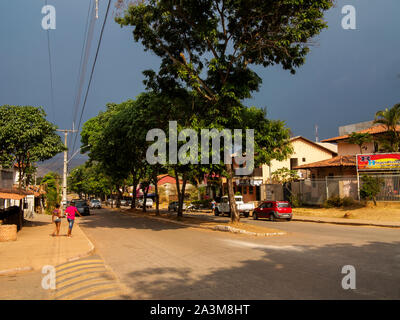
316	191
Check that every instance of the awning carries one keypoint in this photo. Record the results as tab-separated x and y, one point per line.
13	194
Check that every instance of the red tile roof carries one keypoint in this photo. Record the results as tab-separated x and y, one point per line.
339	161
372	130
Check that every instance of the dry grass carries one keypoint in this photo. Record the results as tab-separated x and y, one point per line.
384	211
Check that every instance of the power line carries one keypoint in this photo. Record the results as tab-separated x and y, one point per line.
92	71
83	61
51	73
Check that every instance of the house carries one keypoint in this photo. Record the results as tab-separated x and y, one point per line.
259	185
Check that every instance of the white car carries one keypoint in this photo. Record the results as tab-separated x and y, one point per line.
243	208
149	203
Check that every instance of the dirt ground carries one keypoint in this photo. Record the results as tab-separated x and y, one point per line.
384	211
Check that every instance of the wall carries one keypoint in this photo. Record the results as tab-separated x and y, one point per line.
347	149
301	149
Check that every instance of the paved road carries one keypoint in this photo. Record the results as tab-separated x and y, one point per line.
161	260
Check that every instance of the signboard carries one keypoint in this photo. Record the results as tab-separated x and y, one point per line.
378	161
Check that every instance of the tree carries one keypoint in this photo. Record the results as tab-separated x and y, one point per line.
209	46
390	118
360	139
370	188
51	184
26	137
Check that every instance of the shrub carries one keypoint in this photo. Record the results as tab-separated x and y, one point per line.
348	202
333	202
370	188
295	201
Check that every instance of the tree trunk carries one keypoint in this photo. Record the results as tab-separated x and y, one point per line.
157	199
133	204
235	217
119	197
112	198
145	191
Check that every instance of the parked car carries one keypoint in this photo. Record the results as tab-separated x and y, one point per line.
149	203
173	206
95	204
82	207
273	210
123	202
243	208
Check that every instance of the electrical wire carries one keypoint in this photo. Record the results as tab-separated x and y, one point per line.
51	74
92	71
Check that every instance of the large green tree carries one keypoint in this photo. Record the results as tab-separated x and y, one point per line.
209	46
26	137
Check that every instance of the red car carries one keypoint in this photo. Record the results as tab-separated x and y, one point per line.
273	210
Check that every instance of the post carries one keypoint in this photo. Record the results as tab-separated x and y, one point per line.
64	187
326	186
65	170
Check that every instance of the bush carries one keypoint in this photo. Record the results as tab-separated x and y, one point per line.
335	201
348	202
370	188
295	201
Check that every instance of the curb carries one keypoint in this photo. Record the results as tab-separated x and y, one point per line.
30	268
215	228
346	223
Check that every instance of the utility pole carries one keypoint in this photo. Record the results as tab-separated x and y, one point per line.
65	171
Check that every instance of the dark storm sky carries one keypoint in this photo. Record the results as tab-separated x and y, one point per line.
348	76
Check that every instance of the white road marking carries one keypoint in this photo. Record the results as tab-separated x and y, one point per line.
239	243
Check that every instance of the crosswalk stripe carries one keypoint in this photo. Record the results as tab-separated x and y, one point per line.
90	290
104	296
78	279
67	265
76	273
65	271
81	284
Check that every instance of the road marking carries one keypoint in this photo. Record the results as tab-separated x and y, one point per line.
90	290
104	296
91	265
86	279
67	265
240	243
81	284
78	279
76	273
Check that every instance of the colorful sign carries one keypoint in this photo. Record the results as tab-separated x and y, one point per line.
380	161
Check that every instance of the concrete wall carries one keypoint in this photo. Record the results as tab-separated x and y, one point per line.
347	129
347	149
301	149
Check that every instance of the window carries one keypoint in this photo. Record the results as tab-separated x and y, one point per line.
244	190
293	163
251	190
304	159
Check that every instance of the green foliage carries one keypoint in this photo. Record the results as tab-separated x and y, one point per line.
295	201
51	184
26	137
238	193
390	118
337	202
370	187
360	139
284	175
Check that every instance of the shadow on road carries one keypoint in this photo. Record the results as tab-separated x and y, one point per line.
288	272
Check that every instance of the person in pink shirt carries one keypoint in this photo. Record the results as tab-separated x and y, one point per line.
70	211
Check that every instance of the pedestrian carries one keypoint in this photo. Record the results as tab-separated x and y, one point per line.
213	205
70	211
56	218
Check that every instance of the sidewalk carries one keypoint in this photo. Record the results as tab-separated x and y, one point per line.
35	247
353	222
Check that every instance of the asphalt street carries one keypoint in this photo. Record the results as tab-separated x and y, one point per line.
162	260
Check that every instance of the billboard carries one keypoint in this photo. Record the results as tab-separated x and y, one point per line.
378	161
